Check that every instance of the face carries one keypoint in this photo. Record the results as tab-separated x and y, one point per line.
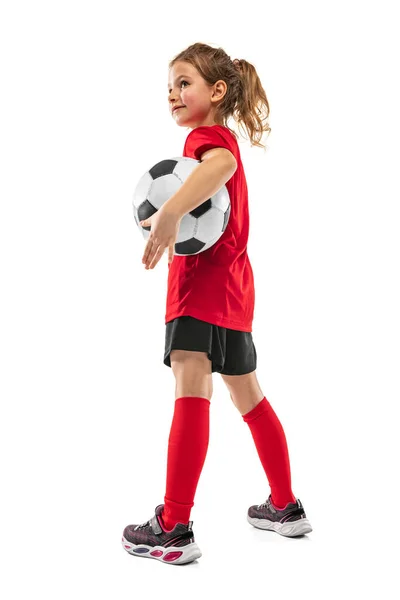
186	88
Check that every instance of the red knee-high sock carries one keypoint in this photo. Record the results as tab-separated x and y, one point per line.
272	449
187	449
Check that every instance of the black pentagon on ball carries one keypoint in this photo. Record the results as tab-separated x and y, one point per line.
226	217
202	209
164	167
191	246
145	211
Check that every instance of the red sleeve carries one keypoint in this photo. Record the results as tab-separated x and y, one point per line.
203	138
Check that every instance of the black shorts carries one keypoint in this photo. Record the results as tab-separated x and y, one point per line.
231	352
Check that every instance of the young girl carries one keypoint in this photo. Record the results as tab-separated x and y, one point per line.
210	306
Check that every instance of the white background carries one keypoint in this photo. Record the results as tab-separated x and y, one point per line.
86	401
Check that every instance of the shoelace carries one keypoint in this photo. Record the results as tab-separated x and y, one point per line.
142	525
266	504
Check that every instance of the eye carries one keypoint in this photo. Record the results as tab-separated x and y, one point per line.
183	81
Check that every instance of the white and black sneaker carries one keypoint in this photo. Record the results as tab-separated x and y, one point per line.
290	521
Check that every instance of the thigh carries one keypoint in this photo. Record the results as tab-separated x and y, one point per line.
193	375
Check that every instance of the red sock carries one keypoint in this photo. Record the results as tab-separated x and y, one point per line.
187	449
272	449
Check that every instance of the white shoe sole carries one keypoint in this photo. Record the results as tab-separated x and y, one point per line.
174	555
288	529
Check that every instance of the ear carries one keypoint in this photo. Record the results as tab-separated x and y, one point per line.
220	89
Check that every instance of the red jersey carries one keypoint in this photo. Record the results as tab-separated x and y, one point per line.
216	285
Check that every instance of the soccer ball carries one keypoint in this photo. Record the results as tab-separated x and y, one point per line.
201	227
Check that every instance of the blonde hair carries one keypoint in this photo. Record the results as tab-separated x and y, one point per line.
245	99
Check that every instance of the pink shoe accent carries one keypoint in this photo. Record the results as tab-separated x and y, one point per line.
278	507
163	526
283	508
171	556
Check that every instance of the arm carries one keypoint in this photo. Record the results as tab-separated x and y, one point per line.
217	167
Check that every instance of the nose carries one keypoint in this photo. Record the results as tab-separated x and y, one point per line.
173	95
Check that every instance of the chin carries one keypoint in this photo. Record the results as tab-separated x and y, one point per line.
183	123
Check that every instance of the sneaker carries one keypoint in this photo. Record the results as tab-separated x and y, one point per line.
290	521
152	540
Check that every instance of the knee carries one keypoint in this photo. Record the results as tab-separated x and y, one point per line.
198	390
246	403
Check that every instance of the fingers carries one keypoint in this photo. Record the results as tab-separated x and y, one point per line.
153	252
149	251
153	256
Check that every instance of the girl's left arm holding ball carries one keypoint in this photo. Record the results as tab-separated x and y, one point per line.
217	167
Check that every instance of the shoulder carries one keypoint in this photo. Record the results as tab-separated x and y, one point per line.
211	131
203	138
212	134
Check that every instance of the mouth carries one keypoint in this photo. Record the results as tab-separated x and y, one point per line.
177	108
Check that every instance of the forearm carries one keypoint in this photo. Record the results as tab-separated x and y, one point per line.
202	183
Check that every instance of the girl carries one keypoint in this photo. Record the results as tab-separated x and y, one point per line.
210	306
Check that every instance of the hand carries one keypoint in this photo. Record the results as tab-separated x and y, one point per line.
163	234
